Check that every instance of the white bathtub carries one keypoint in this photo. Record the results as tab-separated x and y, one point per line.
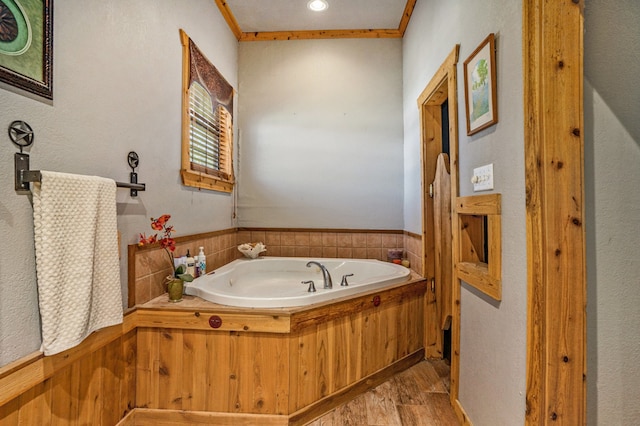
275	282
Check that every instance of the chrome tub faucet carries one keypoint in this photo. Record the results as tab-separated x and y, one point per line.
325	273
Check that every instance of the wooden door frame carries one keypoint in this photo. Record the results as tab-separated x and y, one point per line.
442	87
552	37
554	150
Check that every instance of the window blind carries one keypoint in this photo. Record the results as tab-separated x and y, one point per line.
209	134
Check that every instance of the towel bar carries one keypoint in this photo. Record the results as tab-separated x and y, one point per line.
22	136
24	176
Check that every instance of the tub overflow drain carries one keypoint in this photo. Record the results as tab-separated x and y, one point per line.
215	321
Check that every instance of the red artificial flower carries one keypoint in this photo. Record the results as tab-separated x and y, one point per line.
159	223
166	242
155	225
144	240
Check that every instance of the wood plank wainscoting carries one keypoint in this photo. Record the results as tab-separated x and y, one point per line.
90	384
287	365
167	366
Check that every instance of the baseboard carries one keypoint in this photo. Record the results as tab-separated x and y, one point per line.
318	408
461	414
128	419
155	417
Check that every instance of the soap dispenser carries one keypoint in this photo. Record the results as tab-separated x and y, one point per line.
201	261
191	265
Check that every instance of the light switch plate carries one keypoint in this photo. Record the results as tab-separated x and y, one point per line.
483	178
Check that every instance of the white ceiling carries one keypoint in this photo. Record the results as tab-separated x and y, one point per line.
293	15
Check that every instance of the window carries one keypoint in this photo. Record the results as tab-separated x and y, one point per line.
210	134
207	123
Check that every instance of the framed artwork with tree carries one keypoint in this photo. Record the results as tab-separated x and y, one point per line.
480	87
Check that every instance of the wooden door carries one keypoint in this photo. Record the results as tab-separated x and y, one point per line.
442	239
441	89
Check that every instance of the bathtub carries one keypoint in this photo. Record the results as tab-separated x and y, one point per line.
276	282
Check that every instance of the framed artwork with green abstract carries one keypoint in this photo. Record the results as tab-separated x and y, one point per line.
480	87
26	45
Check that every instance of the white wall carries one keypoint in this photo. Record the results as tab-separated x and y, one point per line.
321	134
117	87
493	335
612	179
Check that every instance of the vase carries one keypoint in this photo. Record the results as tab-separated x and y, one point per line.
175	287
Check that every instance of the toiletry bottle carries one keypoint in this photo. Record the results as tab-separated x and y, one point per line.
182	260
191	262
202	262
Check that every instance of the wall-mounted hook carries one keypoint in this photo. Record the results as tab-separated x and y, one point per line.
21	134
133	160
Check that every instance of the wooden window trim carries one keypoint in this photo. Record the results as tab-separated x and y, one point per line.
199	176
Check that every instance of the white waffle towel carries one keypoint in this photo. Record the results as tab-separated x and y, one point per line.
77	265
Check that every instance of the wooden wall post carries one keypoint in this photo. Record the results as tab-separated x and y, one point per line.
553	112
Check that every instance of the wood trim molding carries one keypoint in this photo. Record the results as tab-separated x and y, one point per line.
185	239
462	415
222	180
553	135
194	313
434	93
228	16
472	267
412	234
20	363
351	306
204	181
406	16
199	320
131	274
319	34
155	417
330	230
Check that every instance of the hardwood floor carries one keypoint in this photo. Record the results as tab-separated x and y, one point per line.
418	396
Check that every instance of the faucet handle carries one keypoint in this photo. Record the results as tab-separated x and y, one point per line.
344	282
312	287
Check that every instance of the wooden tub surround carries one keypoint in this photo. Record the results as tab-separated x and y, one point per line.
197	362
287	365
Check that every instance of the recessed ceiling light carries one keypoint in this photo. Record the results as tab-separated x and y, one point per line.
317	5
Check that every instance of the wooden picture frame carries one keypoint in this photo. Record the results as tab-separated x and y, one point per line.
26	45
480	87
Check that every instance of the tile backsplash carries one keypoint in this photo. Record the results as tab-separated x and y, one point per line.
341	244
148	266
